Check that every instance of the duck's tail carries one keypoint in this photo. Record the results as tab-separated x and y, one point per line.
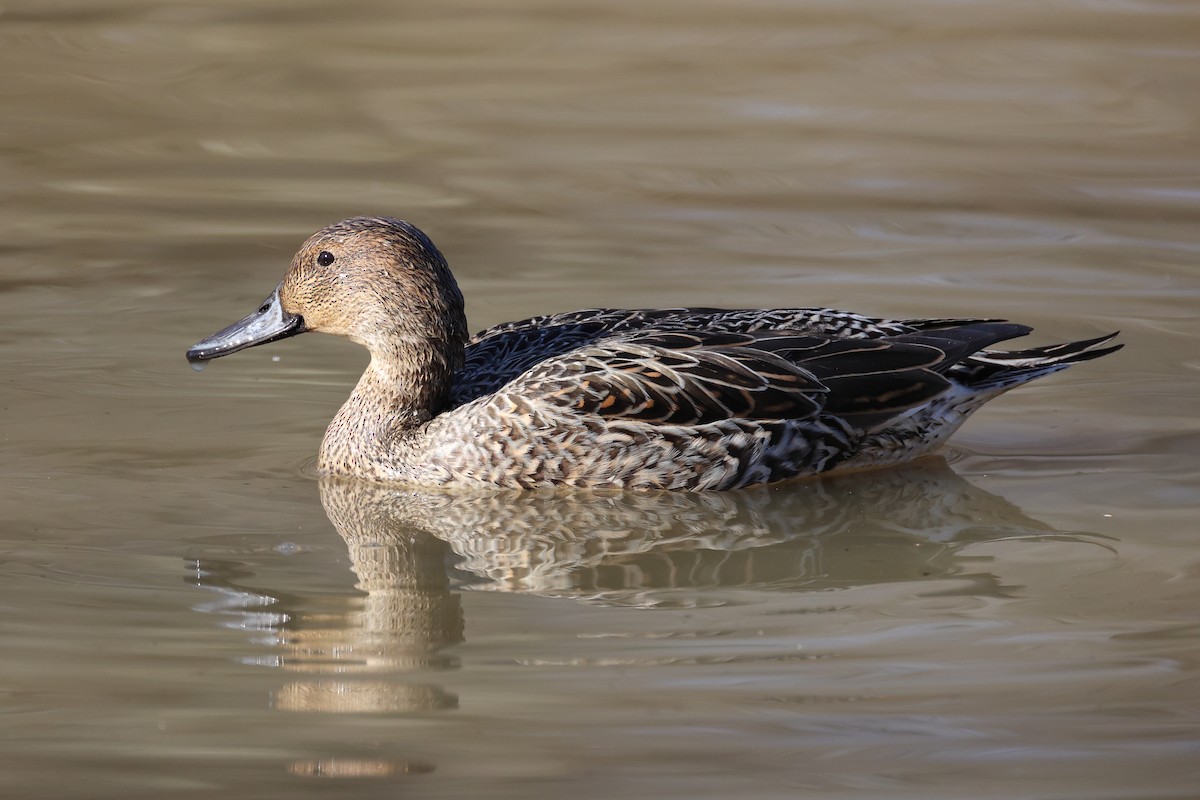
990	370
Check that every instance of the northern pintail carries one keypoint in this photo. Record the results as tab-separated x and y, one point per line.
675	398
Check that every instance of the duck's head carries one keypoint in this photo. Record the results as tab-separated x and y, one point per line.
377	281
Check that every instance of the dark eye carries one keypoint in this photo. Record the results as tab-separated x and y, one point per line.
325	258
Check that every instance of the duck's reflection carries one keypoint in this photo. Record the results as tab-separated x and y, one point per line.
408	616
624	548
411	550
408	547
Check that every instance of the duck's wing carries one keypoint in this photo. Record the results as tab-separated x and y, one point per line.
692	378
499	354
820	321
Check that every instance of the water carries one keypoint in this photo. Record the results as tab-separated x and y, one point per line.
186	610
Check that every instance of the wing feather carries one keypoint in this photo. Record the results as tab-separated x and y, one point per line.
499	354
676	377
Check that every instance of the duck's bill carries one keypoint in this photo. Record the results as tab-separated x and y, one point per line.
269	323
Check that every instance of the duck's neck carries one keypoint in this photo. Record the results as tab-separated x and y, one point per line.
406	384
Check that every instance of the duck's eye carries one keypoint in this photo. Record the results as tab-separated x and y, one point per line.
325	258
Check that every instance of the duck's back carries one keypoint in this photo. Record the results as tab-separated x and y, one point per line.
499	354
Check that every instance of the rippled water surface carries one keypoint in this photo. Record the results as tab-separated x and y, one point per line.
185	611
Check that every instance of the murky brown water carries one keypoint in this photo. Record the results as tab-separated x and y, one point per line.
186	612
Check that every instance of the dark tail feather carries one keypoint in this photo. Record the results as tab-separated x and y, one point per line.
1000	369
1065	353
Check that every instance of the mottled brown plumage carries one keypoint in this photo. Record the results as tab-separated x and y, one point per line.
663	398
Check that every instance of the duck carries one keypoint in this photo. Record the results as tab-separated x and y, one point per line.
644	399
